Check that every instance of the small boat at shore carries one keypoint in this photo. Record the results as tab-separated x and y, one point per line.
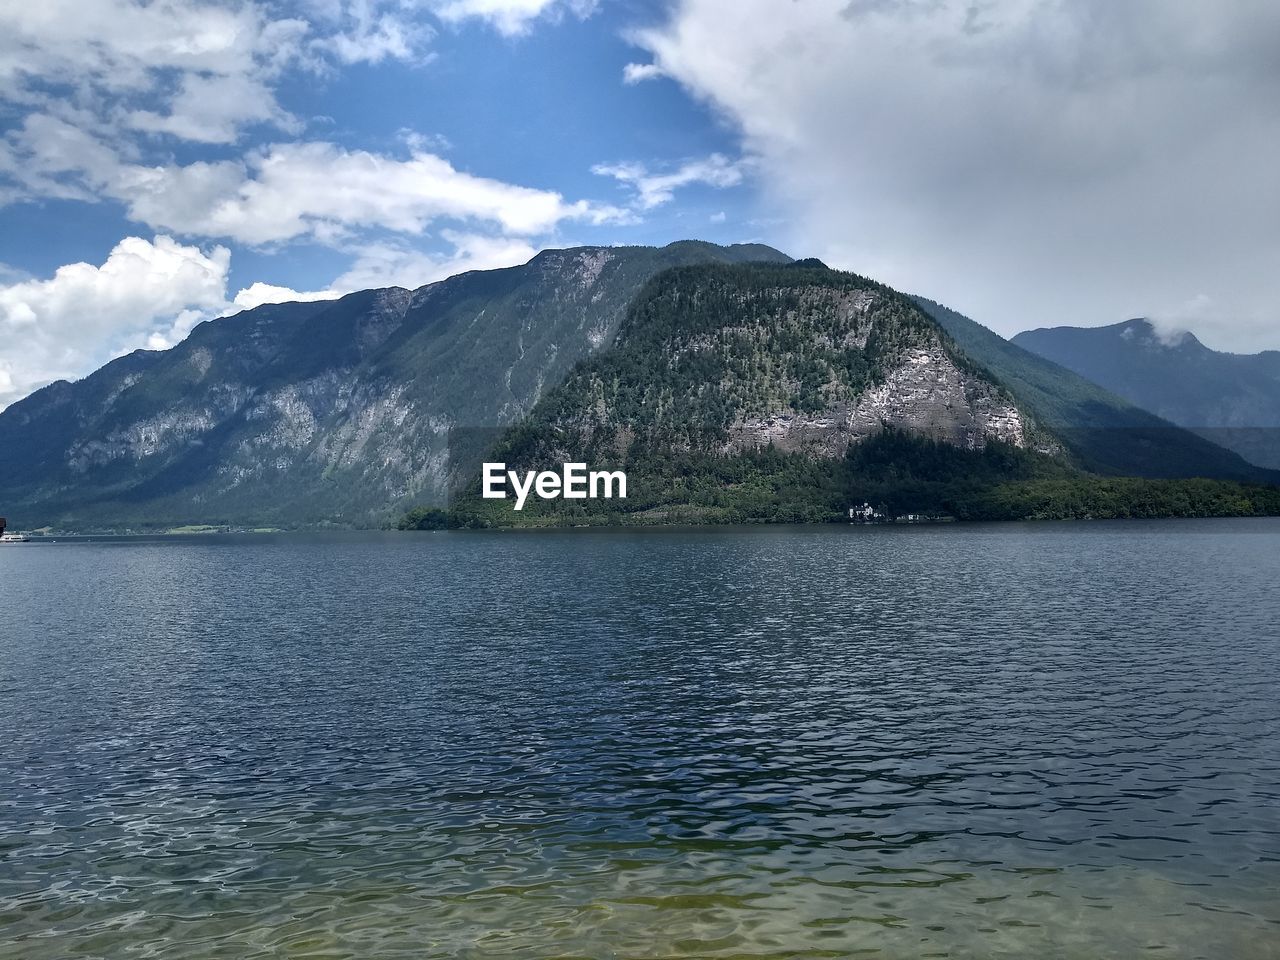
11	537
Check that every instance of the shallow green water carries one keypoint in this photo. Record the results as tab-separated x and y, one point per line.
1012	741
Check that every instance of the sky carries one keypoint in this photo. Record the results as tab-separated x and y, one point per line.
1027	162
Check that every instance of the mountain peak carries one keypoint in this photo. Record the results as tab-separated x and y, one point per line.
1231	399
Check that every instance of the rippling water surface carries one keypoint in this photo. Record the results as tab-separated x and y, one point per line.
1007	741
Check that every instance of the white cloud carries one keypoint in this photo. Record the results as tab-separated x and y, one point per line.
47	157
150	64
1171	325
323	191
258	293
196	70
718	217
372	32
146	292
314	190
119	44
634	73
655	189
511	17
424	142
212	109
1027	161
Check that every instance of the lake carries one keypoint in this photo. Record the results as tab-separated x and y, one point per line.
1050	741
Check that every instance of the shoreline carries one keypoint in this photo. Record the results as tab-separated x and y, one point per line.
321	533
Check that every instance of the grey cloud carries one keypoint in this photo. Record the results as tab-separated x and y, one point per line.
1028	162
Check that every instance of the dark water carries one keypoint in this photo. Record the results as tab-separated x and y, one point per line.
1007	741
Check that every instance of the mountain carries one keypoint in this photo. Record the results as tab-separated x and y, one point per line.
1231	399
1105	433
767	392
334	412
345	412
798	357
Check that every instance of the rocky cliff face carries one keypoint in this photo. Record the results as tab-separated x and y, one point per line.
331	412
927	395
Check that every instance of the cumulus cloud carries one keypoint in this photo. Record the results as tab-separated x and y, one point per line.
654	189
511	17
144	293
1028	161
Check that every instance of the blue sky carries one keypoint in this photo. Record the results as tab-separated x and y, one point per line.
539	108
1028	162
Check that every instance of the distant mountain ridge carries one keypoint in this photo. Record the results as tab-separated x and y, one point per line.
1106	433
1230	399
345	412
331	412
